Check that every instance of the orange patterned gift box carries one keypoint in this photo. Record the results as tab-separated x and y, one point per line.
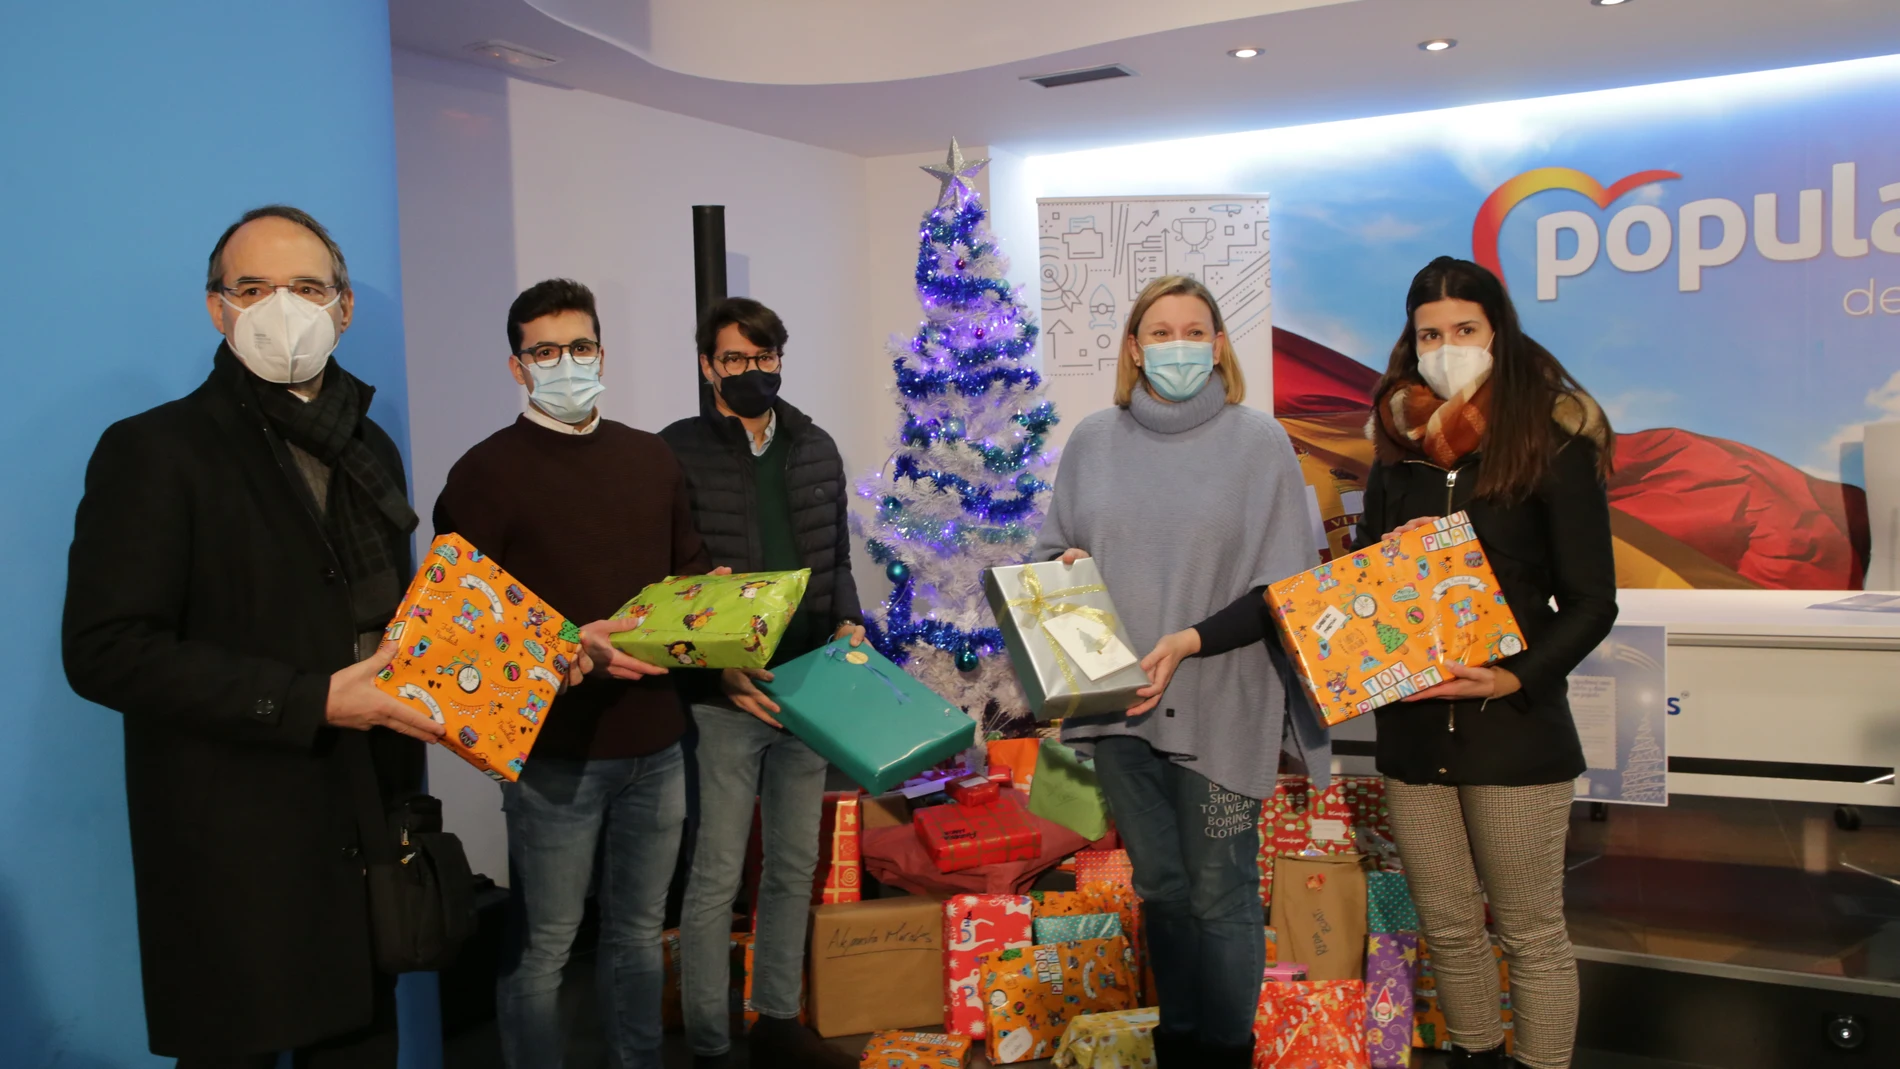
480	653
840	865
1101	897
1034	993
1370	628
1311	1025
915	1050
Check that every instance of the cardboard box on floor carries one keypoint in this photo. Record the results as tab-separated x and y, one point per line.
877	965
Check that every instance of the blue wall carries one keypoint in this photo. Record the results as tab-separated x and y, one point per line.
132	135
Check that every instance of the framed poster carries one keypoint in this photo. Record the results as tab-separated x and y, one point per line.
1619	697
1098	253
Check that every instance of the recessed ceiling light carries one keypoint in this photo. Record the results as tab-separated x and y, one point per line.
1438	44
513	55
1243	53
1608	3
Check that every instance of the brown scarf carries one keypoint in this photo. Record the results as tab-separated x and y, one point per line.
1412	419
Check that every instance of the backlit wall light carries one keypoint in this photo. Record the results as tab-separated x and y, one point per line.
1243	53
1438	44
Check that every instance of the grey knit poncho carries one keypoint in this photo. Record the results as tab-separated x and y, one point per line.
1185	507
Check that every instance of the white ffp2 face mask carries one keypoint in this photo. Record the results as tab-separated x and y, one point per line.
1454	369
284	338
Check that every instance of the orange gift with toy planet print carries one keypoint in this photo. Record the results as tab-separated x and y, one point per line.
480	653
1370	628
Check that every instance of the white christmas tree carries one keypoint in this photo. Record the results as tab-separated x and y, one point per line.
1647	777
963	490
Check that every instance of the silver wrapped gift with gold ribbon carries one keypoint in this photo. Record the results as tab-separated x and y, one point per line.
1068	645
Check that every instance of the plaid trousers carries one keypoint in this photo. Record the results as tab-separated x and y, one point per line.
1461	845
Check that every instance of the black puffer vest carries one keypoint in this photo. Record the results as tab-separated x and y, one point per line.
712	448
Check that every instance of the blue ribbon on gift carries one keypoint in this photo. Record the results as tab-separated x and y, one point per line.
836	652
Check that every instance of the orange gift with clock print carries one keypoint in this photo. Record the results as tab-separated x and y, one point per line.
480	654
1379	625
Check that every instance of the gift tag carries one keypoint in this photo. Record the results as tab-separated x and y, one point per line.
1331	831
1094	648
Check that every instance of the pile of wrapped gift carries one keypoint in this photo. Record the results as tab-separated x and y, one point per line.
1353	986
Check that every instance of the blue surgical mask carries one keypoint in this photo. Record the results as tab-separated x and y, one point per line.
567	390
1178	369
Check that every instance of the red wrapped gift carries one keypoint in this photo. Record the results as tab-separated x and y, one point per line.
1306	1024
1299	820
1104	866
974	925
999	775
977	790
963	837
839	877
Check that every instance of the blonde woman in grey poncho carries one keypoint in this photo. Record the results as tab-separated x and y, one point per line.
1190	503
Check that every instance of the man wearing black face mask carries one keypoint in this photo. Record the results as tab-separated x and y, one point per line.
767	490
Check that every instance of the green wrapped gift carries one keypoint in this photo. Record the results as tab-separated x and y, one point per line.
1073	929
712	621
1065	792
866	715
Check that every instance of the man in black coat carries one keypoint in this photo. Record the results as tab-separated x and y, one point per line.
234	560
768	493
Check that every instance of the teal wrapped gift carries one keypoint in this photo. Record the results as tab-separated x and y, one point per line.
866	715
1070	929
1389	905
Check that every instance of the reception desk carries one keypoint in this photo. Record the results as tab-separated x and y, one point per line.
1778	699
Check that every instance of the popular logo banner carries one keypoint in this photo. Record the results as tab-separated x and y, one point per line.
1717	261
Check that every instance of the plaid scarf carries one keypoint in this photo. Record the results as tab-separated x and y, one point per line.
367	511
1413	419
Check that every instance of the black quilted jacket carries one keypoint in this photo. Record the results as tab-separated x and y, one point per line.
718	462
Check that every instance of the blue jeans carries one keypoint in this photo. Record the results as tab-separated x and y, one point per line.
742	758
561	815
1195	851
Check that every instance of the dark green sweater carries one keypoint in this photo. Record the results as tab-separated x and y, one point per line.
778	546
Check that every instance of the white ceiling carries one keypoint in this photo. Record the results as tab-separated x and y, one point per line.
1333	61
830	42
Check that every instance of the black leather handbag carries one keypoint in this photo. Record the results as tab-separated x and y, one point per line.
421	892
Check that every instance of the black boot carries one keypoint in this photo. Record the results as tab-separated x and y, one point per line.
1479	1059
775	1043
1178	1050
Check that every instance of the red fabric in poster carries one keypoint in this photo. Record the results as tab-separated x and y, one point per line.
1731	514
1744	509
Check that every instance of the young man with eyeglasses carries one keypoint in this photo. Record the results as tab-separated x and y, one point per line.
585	512
768	492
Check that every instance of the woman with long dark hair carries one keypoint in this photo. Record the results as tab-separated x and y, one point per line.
1473	415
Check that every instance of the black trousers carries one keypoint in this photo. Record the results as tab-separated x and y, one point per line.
370	1047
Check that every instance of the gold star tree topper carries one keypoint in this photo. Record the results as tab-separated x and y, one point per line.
954	170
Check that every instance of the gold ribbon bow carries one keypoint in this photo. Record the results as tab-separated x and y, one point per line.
1043	606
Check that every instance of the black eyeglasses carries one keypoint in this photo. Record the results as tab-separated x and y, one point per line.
583	350
767	360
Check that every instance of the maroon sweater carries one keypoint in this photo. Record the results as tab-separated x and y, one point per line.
585	521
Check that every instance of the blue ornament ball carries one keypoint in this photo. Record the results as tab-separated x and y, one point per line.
953	427
1025	483
891	504
966	660
897	571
